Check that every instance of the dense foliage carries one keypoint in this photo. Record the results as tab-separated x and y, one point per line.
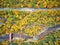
29	3
27	22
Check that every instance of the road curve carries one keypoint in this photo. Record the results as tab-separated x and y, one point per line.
39	36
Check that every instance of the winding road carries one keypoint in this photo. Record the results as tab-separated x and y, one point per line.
37	37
